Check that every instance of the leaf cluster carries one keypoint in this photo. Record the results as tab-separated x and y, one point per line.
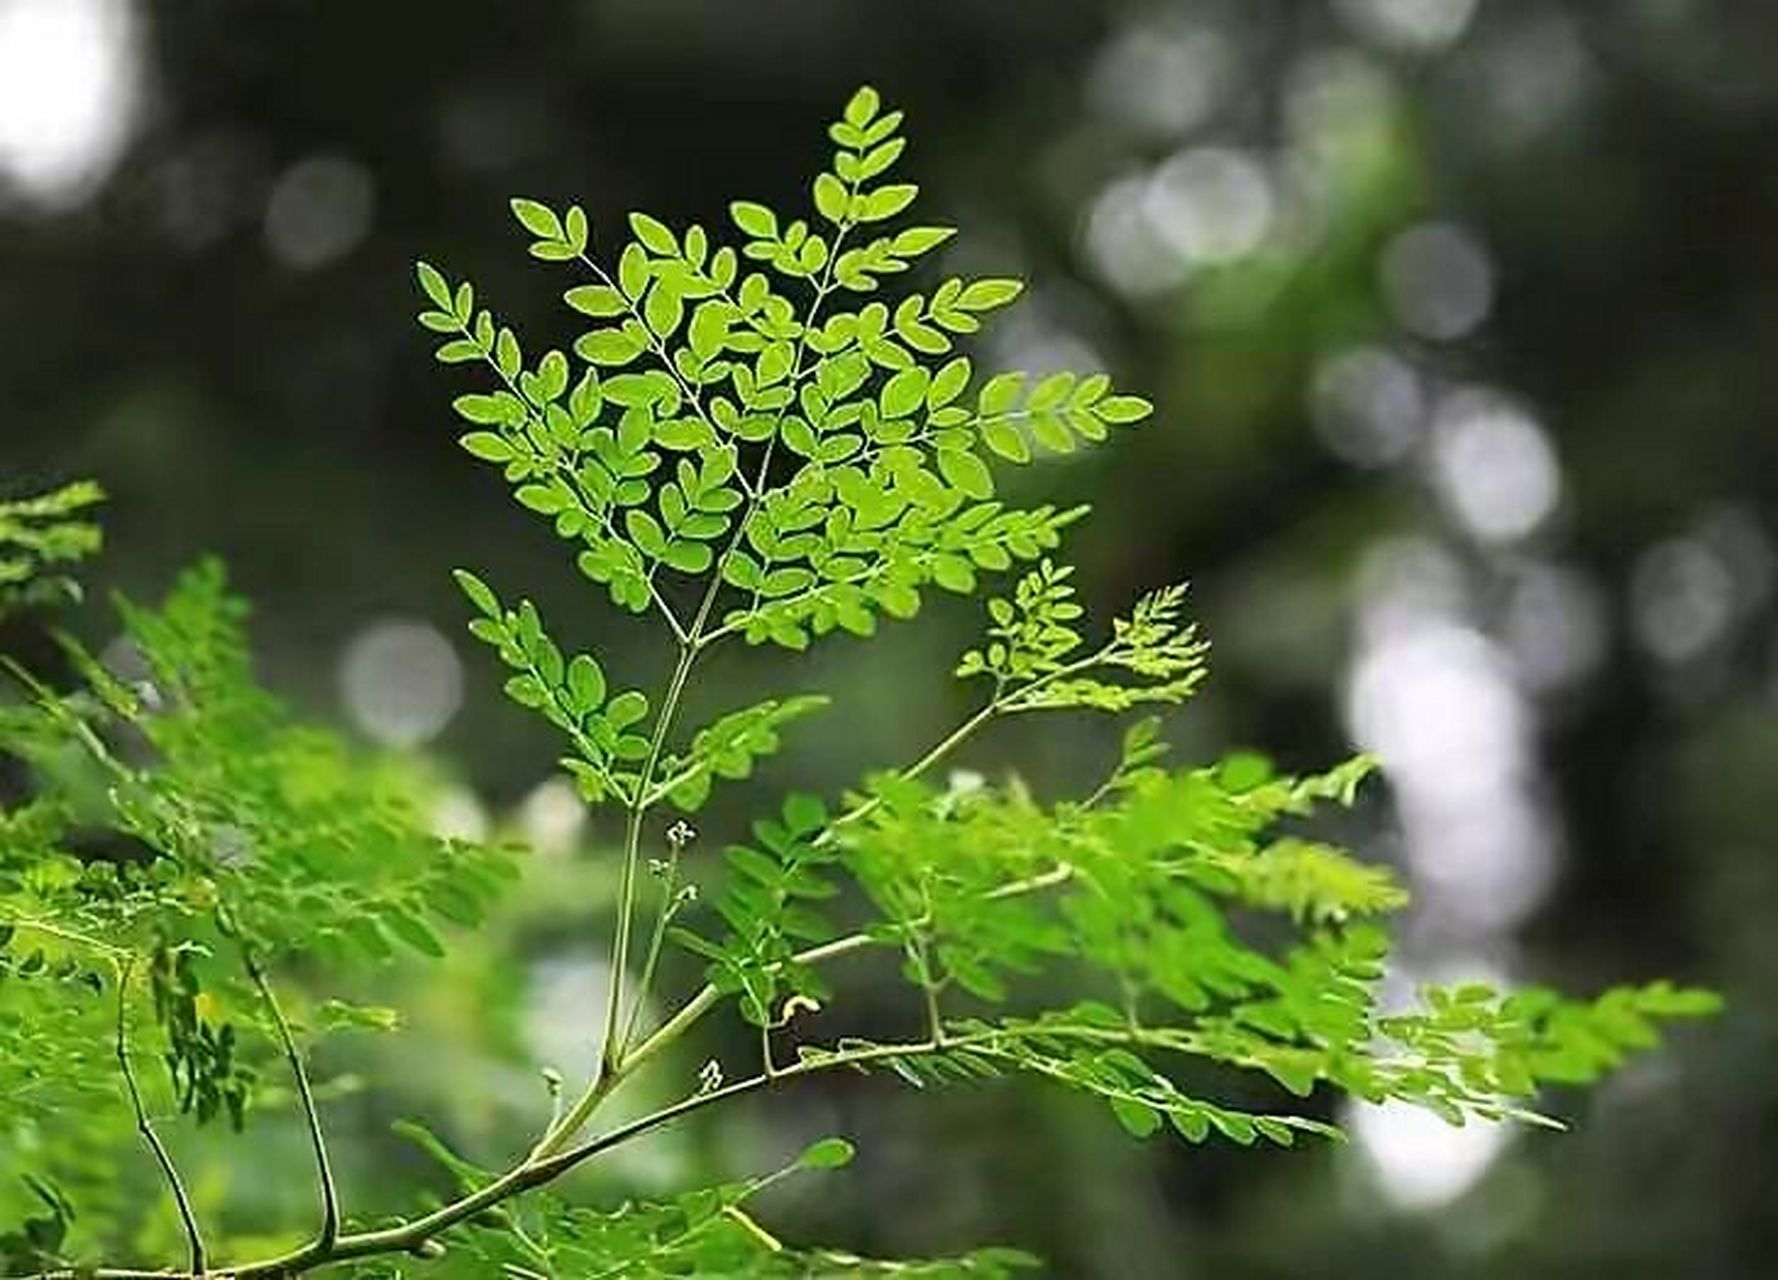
705	1232
40	534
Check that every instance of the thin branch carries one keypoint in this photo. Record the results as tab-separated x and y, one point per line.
330	1198
535	1173
71	936
632	855
939	750
669	908
707	996
146	1128
541	1169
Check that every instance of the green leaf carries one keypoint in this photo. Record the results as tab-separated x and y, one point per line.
480	594
948	383
830	198
828	1153
967	472
887	201
487	446
545	499
586	682
654	235
432	283
999	394
687	557
537	218
862	107
626	709
985	295
1006	441
755	219
663	310
904	392
597	300
489	410
645	532
610	347
1122	409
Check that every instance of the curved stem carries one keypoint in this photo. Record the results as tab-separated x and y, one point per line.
330	1197
534	1173
410	1237
181	1201
939	750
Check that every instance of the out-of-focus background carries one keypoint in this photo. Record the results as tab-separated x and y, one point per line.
1461	317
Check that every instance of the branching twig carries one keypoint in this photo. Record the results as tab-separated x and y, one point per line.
707	996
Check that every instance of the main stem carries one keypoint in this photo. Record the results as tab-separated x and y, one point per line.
611	1049
691	643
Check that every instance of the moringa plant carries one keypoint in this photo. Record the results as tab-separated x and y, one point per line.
759	443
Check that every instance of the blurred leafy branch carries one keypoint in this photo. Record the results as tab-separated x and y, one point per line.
762	444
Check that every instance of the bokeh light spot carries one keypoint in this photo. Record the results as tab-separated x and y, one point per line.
1368	406
320	210
553	816
70	84
1438	281
1419	25
1418	1161
1162	79
401	682
1493	467
1210	204
1682	599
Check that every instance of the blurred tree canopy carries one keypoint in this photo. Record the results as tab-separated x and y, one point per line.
1457	314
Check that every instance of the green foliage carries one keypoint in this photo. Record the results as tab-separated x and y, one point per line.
728	748
826	463
40	533
571	693
706	1232
766	906
750	443
1032	651
173	822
